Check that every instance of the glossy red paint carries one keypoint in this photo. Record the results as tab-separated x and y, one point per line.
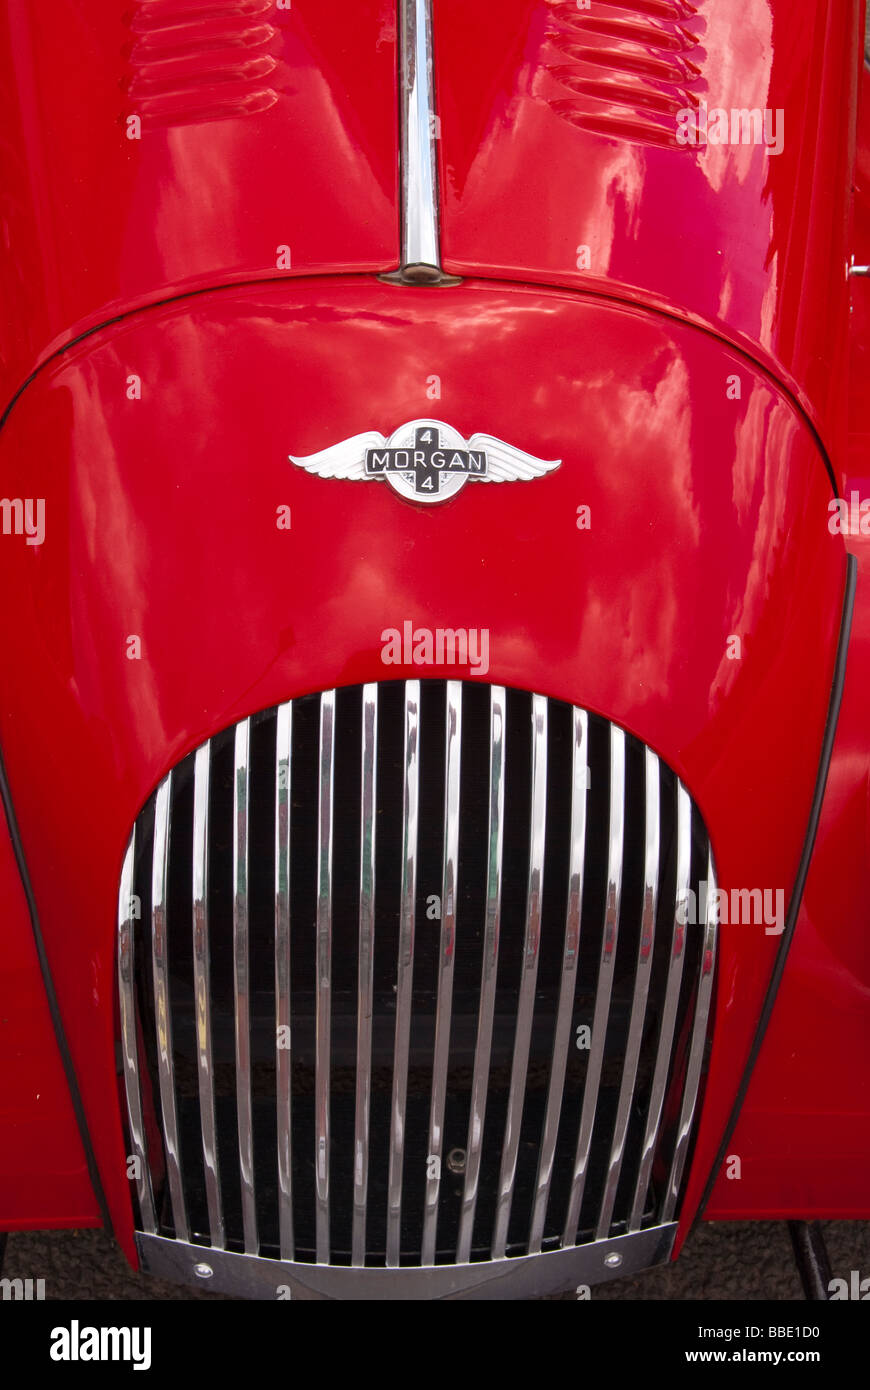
708	520
803	1136
804	1132
43	1176
261	128
565	137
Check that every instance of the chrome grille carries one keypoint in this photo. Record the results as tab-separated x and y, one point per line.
402	982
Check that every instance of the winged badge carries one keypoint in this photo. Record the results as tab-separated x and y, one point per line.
425	460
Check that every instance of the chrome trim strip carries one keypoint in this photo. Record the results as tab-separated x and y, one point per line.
405	969
699	1040
127	914
202	995
570	955
420	248
248	1276
489	972
606	970
643	971
283	1054
528	980
162	1012
323	1024
669	1011
447	953
366	967
241	980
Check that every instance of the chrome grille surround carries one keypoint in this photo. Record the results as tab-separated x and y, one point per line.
373	926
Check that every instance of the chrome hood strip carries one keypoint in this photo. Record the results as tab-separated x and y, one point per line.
420	202
420	247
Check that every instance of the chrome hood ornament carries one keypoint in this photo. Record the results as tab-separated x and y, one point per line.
425	461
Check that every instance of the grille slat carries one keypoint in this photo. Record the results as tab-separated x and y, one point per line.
283	1029
489	970
641	991
365	966
606	968
447	952
128	911
570	958
324	967
531	951
241	965
160	966
315	1038
202	994
696	1051
405	970
669	1015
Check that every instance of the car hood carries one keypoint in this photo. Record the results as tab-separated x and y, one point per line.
154	149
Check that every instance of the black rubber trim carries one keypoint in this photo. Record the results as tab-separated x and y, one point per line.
800	880
57	1021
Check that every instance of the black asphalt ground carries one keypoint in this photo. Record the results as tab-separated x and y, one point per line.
727	1260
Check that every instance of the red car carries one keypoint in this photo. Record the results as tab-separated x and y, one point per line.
412	887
